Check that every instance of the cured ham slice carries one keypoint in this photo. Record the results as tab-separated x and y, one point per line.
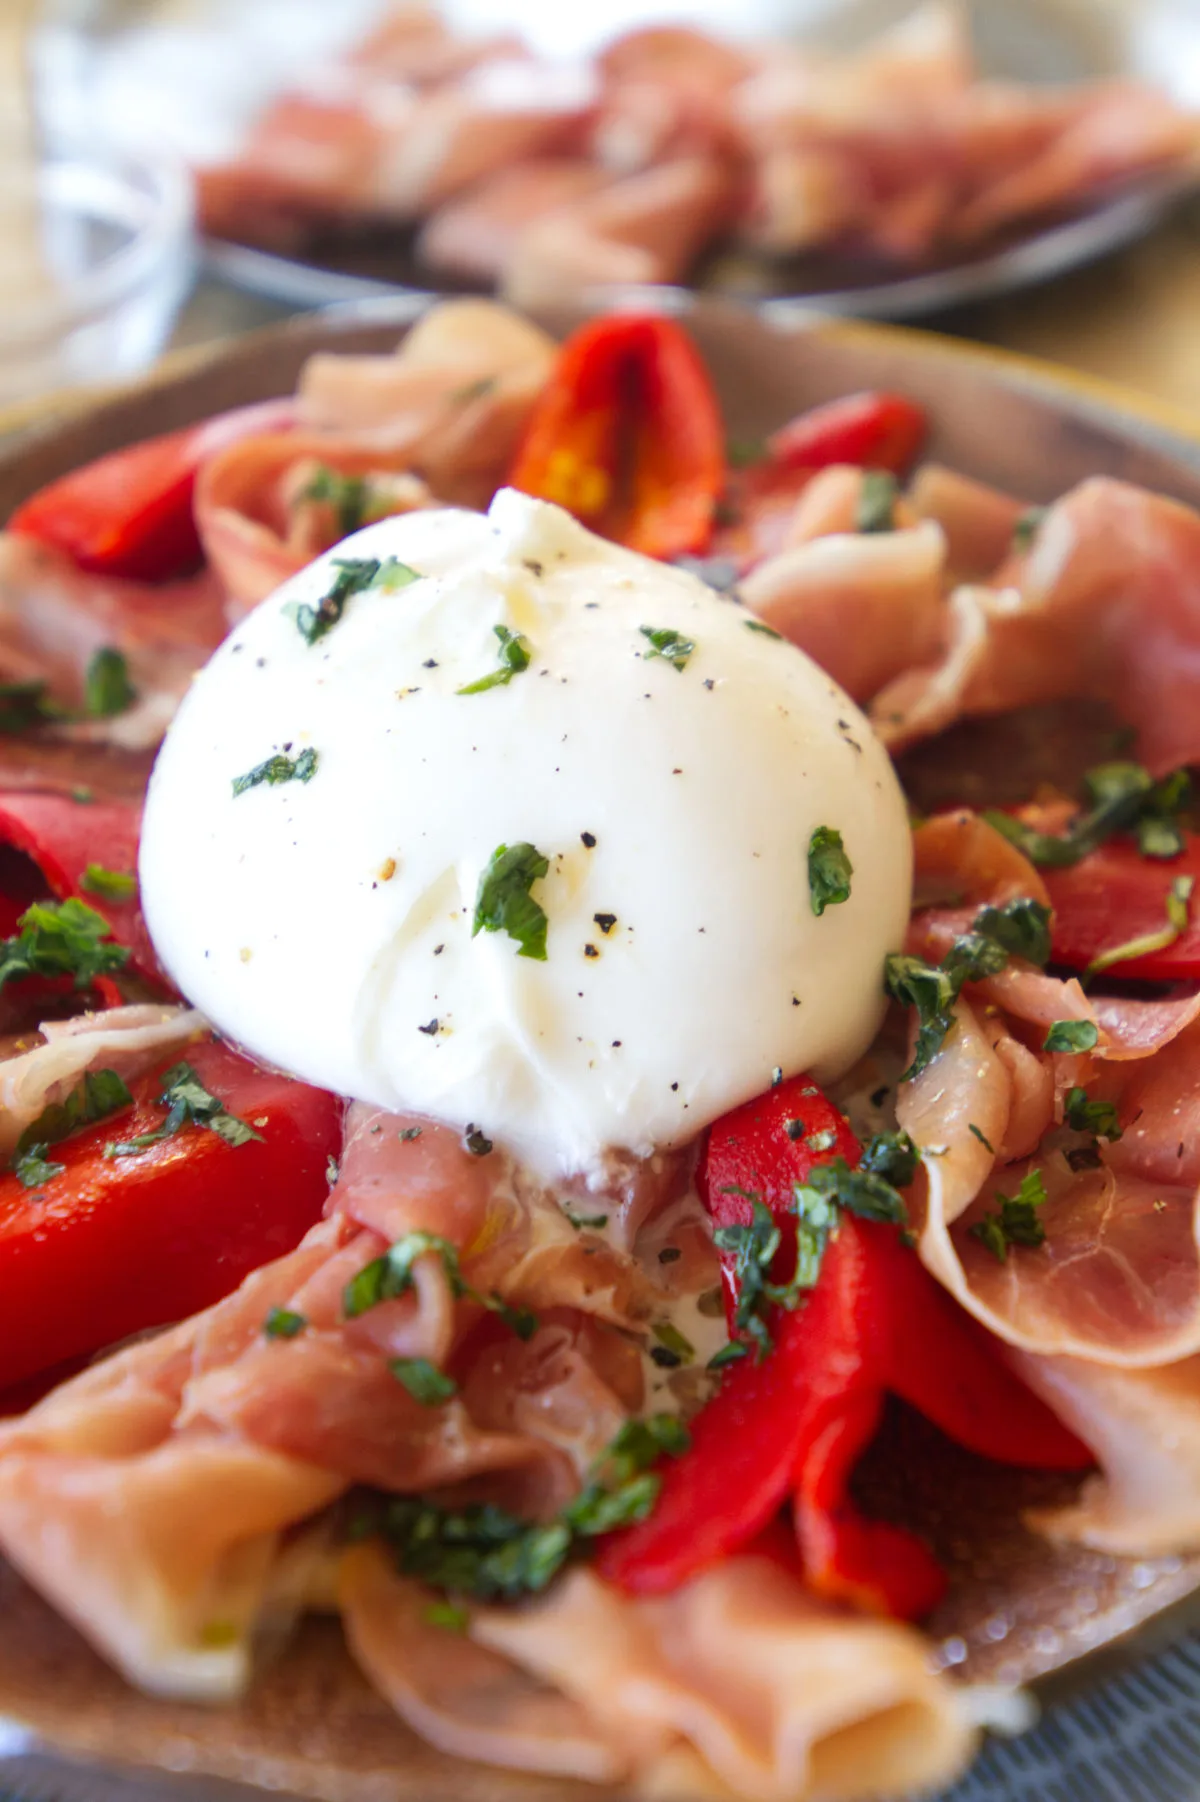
475	235
1106	604
740	1680
54	618
454	398
978	521
888	584
1144	1426
258	516
648	227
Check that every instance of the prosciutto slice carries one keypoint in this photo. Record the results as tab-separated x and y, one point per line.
1105	604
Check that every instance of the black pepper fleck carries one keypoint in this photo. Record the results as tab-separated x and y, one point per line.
669	1254
666	1360
438	949
605	922
430	663
430	1029
533	566
590	951
589	839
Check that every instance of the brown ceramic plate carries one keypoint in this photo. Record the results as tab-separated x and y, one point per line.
1019	1609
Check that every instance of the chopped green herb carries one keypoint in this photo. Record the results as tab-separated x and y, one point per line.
733	1353
516	653
31	1168
672	646
61	938
107	689
1083	1115
877	502
673	1340
349	496
277	769
99	1094
284	1323
424	1381
485	1552
391	1274
1021	926
475	390
1016	1221
354	575
188	1103
503	902
986	1143
408	1133
521	1321
892	1156
1071	1035
446	1614
24	706
829	870
1027	527
760	625
394	575
1178	896
740	453
1122	797
112	885
83	795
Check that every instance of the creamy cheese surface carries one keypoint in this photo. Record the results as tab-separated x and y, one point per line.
326	924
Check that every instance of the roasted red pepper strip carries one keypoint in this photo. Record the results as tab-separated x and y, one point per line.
64	837
627	436
873	430
794	1424
130	513
1115	895
114	1245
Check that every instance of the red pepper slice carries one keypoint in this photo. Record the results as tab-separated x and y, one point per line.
63	837
1114	895
627	436
794	1424
115	1245
874	430
130	513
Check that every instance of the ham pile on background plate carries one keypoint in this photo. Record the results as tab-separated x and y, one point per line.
543	179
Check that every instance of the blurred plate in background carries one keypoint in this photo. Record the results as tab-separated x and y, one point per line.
192	74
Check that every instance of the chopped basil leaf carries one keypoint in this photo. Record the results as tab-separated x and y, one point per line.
408	1133
829	870
350	497
1083	1115
1022	926
354	575
864	1192
283	1323
1027	526
1178	896
877	502
26	705
986	1143
760	625
99	1094
516	653
672	646
892	1156
391	1274
277	769
673	1340
61	938
732	1353
485	1552
32	1170
448	1615
107	689
424	1381
503	902
1016	1221
1123	797
112	885
1071	1035
188	1103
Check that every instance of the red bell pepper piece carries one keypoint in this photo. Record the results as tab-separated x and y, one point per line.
873	430
130	514
627	436
64	837
1115	895
794	1424
115	1245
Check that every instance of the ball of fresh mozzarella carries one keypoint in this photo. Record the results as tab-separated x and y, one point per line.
571	906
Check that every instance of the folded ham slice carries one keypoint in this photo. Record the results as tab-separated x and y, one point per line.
1105	604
